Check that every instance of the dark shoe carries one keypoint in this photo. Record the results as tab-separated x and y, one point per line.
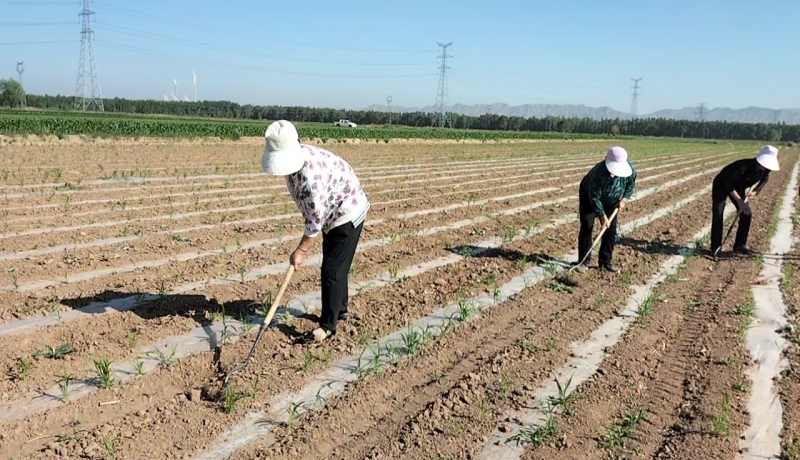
582	268
344	316
743	250
609	267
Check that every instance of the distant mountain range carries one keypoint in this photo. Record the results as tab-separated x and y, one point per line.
745	115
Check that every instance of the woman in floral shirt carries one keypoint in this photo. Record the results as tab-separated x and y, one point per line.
330	198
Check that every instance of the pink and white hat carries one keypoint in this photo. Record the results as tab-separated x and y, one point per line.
768	158
617	162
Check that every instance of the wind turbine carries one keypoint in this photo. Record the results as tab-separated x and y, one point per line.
194	79
175	81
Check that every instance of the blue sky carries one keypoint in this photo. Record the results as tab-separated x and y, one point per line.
724	53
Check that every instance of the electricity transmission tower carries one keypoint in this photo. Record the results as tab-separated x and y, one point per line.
82	101
441	104
701	112
389	104
635	98
20	70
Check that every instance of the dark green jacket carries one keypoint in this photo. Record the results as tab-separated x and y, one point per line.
605	192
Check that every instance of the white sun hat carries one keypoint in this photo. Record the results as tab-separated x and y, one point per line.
283	155
617	162
768	158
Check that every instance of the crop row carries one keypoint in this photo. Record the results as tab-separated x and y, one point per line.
70	123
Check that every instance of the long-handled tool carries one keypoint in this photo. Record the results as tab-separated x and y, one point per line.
730	229
567	278
263	329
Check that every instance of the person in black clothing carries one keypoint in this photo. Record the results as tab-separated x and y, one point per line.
731	183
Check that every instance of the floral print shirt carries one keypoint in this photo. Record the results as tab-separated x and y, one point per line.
327	192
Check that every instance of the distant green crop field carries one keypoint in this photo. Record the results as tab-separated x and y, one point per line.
16	122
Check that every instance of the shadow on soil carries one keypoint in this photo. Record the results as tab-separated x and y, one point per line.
196	307
513	256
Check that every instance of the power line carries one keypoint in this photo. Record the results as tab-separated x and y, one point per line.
149	17
527	79
35	24
49	42
82	101
441	104
635	98
246	66
163	38
36	3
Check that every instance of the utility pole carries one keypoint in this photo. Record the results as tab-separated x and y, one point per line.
82	101
389	107
441	103
701	112
635	98
20	70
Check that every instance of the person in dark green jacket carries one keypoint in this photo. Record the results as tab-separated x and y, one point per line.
607	186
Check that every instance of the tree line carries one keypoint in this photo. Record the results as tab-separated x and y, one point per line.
659	127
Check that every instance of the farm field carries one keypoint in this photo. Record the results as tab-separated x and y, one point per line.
151	261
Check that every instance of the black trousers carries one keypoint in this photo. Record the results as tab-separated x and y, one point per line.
338	250
718	222
587	217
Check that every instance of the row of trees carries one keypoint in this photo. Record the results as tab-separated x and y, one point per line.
635	127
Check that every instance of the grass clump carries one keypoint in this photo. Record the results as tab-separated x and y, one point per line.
59	352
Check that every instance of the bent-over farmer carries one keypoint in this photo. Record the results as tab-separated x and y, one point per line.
731	183
330	198
608	185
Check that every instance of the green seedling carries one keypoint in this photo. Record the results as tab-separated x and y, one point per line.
730	362
59	352
505	385
788	275
617	435
741	386
627	278
466	310
293	411
102	367
511	233
231	398
437	376
111	448
723	419
537	435
394	271
242	273
25	369
376	359
647	307
320	400
564	398
412	341
530	348
138	365
63	385
180	239
361	368
551	344
133	337
308	360
163	359
391	352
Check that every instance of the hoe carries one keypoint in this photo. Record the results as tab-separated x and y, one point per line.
264	326
567	279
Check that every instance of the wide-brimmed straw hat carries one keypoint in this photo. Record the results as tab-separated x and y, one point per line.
617	162
768	158
283	154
